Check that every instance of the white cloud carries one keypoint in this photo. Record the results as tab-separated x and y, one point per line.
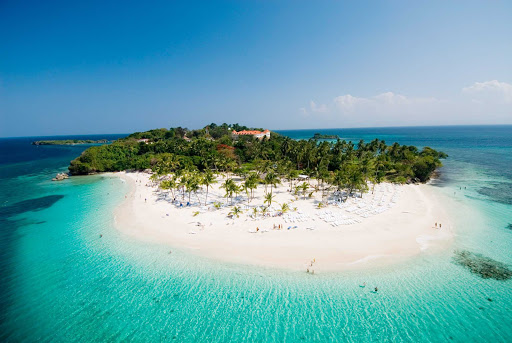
482	103
314	108
348	102
322	108
381	102
489	91
391	98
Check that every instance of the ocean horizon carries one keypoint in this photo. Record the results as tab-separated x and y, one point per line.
69	275
322	129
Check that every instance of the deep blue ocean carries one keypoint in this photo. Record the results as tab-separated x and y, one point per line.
60	281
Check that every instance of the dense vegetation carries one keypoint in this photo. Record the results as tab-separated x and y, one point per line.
339	164
70	142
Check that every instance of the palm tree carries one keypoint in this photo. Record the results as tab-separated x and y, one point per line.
379	162
292	175
168	163
304	187
182	184
285	208
154	177
263	166
235	211
237	189
192	185
323	175
169	185
339	179
207	180
230	167
230	187
268	199
272	180
221	166
355	179
252	183
246	186
242	172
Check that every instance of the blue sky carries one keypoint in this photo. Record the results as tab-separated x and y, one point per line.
117	67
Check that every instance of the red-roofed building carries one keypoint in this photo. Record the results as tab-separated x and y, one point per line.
254	133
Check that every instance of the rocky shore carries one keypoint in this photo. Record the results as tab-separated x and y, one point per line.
60	177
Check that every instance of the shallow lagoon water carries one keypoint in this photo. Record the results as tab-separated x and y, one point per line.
63	282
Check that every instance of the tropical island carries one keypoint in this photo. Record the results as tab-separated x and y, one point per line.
253	196
70	142
318	135
241	150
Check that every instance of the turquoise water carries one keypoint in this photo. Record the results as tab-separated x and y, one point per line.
61	281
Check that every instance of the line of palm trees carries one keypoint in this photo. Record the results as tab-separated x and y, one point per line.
335	166
338	166
187	182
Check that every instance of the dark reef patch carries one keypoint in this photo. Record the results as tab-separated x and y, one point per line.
485	267
509	226
36	204
498	191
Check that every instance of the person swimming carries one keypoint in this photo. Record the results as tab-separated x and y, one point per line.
376	289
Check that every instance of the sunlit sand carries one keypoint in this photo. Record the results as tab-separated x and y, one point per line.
390	224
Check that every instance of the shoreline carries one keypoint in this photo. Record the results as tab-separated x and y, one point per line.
402	231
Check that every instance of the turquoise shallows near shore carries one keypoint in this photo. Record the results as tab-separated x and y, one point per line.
61	281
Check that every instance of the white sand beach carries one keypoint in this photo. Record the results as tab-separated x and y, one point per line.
392	224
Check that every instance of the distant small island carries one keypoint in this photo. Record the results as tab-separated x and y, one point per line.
323	136
71	142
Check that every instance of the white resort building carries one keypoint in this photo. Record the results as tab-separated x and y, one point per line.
254	133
